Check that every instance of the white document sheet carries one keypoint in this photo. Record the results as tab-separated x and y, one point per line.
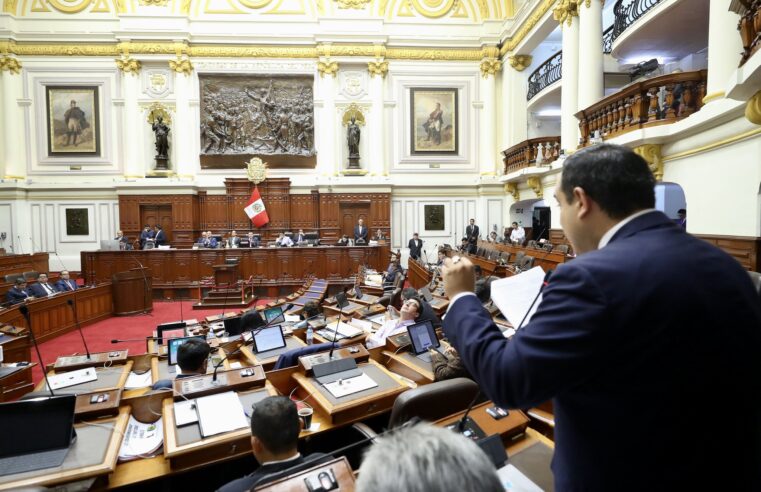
185	412
344	387
513	295
513	480
362	324
135	381
72	378
141	440
220	413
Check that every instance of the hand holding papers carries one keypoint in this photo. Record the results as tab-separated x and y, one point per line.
515	295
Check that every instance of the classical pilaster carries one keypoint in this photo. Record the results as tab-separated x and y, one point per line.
724	48
185	132
566	13
134	167
326	128
490	66
376	160
514	103
591	87
14	158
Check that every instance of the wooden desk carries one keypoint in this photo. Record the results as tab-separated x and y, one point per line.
268	359
109	378
18	264
418	275
542	258
16	384
52	316
406	364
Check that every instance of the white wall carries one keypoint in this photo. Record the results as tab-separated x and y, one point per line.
669	198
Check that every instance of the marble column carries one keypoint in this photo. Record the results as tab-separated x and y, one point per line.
488	126
183	128
724	48
591	88
14	153
375	162
326	126
134	167
514	103
569	102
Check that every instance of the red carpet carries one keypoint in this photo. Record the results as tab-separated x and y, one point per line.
100	334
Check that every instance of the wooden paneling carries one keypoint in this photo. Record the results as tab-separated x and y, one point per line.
742	248
557	236
182	214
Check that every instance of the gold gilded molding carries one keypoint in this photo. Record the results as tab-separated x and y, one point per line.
526	27
9	6
327	67
512	188
714	95
11	64
352	4
565	11
434	54
70	9
521	62
652	154
490	66
713	145
154	3
213	51
588	3
256	170
353	111
753	109
378	67
535	184
433	9
128	65
181	65
157	109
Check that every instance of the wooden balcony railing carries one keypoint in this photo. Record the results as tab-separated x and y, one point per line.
657	101
545	75
627	12
750	28
534	151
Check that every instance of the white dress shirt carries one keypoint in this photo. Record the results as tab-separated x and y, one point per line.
389	327
518	235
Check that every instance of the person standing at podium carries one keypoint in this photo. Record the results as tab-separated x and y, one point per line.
360	232
65	284
416	246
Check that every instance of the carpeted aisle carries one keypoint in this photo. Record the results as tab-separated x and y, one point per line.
100	334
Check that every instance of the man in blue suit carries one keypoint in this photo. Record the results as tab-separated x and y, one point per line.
638	341
159	236
17	294
65	284
42	288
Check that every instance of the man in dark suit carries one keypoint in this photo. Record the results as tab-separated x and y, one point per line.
275	427
471	233
65	284
636	340
17	294
360	231
159	236
42	288
299	237
123	241
416	246
252	241
233	241
145	235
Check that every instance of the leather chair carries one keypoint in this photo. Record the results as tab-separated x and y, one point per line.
547	247
518	258
433	401
31	275
11	278
562	248
526	263
531	244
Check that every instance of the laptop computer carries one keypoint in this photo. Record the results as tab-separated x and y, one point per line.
422	338
174	346
109	245
341	300
274	315
37	433
270	338
166	331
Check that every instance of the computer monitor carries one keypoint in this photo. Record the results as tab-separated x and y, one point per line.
357	292
422	337
174	346
274	315
233	326
270	338
35	426
175	329
109	245
341	300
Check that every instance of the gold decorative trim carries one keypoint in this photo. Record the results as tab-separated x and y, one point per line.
9	6
128	65
378	67
652	154
352	4
181	65
512	188
490	66
711	146
134	176
712	96
154	3
565	11
354	172
535	184
10	176
327	67
157	109
256	170
10	64
353	110
510	44
521	62
753	109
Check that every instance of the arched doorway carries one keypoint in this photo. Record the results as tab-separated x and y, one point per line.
669	199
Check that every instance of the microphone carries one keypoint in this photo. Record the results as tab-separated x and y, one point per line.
117	340
34	245
253	334
545	282
20	247
335	335
70	302
25	312
63	267
461	424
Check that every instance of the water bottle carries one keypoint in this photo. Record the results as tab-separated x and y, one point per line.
210	335
310	334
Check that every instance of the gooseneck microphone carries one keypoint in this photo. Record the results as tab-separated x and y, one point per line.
70	302
25	312
20	247
118	340
464	419
335	335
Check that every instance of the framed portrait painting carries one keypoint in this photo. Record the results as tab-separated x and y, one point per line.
433	121
73	120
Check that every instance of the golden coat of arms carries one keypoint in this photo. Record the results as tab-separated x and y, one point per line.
256	170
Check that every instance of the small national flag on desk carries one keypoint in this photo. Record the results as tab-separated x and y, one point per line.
255	209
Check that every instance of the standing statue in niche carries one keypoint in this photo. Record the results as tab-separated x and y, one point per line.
352	136
161	131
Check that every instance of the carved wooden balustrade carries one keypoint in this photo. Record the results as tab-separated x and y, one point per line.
627	12
657	101
534	151
750	28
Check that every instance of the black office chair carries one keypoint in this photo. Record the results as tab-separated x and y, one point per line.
547	247
526	263
11	278
531	244
518	258
31	275
562	248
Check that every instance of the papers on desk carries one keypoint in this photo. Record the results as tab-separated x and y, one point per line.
185	412
344	387
375	280
513	295
513	480
141	440
72	378
135	380
347	331
362	324
220	413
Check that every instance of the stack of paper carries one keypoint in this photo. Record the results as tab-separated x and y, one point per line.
141	440
135	380
514	295
220	413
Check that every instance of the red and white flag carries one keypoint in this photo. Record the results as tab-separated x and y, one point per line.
255	209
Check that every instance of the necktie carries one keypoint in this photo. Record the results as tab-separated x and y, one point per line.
47	288
68	284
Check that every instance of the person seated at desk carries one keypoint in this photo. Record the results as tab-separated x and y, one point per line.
65	284
42	288
426	311
284	241
389	276
464	246
379	236
426	457
300	237
518	234
442	256
311	313
344	241
449	366
492	237
123	241
233	241
18	293
192	357
207	240
250	241
275	427
411	309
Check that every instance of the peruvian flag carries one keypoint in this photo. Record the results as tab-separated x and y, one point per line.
255	209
